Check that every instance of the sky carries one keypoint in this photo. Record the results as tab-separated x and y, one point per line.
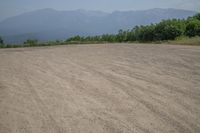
9	8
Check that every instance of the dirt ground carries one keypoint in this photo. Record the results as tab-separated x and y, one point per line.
105	88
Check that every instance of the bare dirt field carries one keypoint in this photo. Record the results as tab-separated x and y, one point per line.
115	88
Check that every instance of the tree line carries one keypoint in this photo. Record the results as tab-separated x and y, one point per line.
165	30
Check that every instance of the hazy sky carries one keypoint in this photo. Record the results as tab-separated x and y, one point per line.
14	7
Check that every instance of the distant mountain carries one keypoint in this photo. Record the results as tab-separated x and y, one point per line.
49	24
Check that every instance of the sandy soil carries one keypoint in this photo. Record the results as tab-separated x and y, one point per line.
100	89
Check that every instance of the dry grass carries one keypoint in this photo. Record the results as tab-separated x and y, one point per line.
187	41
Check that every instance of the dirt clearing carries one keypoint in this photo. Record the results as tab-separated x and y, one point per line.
115	88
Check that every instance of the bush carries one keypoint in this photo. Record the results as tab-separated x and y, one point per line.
31	42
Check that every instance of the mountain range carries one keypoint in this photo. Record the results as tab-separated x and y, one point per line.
50	24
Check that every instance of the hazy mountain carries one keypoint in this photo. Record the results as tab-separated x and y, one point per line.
49	24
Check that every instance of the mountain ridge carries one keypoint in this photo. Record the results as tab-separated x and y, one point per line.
50	24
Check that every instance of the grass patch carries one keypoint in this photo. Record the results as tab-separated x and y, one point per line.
184	40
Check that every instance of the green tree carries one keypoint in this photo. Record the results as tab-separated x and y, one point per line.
148	33
197	16
169	29
131	35
75	38
145	33
193	28
1	41
120	36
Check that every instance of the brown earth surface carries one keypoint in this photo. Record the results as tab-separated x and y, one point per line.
105	88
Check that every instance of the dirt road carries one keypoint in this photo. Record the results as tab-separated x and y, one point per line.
116	88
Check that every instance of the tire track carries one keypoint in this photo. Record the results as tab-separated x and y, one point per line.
49	120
